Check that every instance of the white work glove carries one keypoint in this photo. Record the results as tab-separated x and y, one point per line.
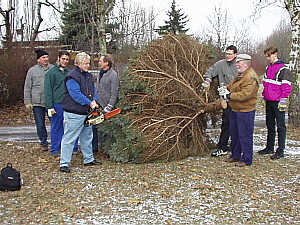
107	108
206	84
224	93
29	106
51	112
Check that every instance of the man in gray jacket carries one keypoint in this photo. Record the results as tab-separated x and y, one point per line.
108	90
225	70
34	98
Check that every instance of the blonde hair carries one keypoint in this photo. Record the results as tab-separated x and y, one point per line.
81	57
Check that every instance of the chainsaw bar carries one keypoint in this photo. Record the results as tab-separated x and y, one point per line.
112	113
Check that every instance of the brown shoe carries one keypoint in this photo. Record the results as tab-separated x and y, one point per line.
241	164
44	148
231	160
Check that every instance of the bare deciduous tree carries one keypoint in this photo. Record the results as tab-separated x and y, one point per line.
219	27
136	24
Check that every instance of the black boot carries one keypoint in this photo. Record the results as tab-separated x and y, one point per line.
278	154
265	151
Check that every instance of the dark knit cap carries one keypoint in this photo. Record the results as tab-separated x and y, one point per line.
40	53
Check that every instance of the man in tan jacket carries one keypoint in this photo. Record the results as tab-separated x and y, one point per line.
241	93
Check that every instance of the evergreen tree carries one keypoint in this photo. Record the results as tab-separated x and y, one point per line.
75	27
78	29
176	23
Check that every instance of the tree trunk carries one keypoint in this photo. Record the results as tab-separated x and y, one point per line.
294	109
101	34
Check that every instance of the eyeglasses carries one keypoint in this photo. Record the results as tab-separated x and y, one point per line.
65	59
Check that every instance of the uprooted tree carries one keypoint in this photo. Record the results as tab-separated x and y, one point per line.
163	104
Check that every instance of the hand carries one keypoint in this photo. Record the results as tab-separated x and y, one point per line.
107	108
206	84
93	104
283	104
29	106
223	104
51	112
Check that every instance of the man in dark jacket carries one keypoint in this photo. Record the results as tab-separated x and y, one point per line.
108	91
34	98
80	96
54	88
225	70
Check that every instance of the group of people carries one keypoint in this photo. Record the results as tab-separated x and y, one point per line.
67	96
238	85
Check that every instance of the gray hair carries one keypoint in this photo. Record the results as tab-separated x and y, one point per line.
80	57
248	62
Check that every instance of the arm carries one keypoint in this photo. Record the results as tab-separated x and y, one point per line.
48	90
286	82
211	72
247	91
27	88
114	92
74	91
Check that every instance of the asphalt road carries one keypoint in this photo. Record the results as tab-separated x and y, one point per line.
28	133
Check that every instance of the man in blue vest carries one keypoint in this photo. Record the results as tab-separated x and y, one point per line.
80	96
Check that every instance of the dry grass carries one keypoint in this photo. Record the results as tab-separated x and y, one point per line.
191	191
196	190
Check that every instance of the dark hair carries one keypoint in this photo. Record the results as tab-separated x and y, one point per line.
231	47
108	58
63	52
270	50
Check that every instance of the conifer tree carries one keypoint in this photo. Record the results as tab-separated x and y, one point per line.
75	27
176	23
83	27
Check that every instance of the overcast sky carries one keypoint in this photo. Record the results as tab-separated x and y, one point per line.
198	10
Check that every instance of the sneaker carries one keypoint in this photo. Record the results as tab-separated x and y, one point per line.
277	155
64	169
218	152
265	151
93	163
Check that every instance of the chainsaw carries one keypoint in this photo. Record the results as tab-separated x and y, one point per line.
96	116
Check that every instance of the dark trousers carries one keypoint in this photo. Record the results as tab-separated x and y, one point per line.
273	115
225	133
57	129
39	114
95	138
241	130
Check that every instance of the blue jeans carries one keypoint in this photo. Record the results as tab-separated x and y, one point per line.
74	128
39	114
241	131
273	115
57	129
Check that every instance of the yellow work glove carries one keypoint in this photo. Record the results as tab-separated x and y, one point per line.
29	106
283	104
